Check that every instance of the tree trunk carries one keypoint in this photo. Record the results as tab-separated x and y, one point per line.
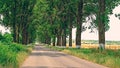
14	23
101	24
17	33
58	40
79	24
25	30
47	39
64	37
14	34
24	36
59	37
70	34
54	40
18	41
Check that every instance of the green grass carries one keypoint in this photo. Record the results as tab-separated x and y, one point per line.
109	58
12	55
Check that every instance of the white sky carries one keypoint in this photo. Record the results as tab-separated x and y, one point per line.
3	29
112	34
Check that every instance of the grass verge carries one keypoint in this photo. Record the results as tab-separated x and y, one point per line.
109	58
12	55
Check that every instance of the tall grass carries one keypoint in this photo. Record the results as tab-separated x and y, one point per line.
109	58
12	55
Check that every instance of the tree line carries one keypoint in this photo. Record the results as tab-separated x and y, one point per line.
51	21
58	17
18	16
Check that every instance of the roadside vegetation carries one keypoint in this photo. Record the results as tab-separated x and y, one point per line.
52	21
109	58
12	55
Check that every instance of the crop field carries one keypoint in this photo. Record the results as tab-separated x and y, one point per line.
94	44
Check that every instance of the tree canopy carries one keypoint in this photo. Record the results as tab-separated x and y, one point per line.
51	21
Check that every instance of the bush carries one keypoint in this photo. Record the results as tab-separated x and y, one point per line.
6	55
6	38
12	54
1	37
17	47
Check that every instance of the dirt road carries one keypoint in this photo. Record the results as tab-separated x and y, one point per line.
42	57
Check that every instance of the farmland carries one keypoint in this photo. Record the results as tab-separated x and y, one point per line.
94	44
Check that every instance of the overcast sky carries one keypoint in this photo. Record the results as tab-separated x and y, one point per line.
3	29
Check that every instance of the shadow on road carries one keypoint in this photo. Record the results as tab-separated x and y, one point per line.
49	54
42	51
46	67
36	67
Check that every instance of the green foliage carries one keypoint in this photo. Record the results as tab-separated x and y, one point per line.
29	19
16	15
9	54
17	47
55	15
1	36
6	38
